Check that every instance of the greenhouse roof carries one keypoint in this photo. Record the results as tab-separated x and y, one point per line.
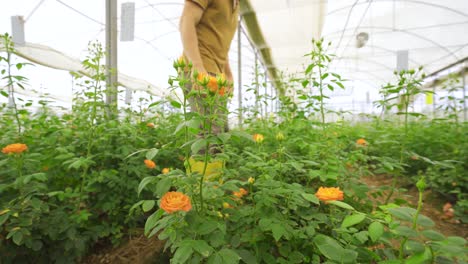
434	33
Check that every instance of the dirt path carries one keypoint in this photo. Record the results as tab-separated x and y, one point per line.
433	206
138	250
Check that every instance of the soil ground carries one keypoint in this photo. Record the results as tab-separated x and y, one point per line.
141	250
432	205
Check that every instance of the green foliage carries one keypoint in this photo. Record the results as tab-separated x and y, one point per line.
78	179
83	179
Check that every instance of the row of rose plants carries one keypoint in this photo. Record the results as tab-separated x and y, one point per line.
293	197
290	191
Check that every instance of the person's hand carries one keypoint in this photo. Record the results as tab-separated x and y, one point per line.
198	69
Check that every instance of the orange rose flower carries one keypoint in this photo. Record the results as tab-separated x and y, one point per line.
151	125
203	78
213	85
329	194
240	193
361	142
222	91
175	201
258	138
150	164
165	171
14	148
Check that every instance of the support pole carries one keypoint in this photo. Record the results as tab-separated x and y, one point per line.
111	55
257	110
272	106
266	94
433	102
239	71
464	91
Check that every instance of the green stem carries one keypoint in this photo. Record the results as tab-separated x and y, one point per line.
186	136
91	135
322	111
207	146
402	146
20	165
9	50
415	222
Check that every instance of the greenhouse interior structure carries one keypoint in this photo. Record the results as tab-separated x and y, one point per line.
234	131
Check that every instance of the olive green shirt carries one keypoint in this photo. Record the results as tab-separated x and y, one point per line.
215	32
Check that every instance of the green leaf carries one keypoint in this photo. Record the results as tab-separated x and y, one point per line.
265	224
36	176
456	240
425	221
215	259
311	198
296	257
329	247
433	235
163	186
247	256
145	182
176	104
419	258
406	231
152	220
152	153
309	68
3	218
229	256
148	205
402	213
18	238
198	145
324	76
376	230
202	247
278	231
342	205
353	219
414	246
206	227
182	254
224	137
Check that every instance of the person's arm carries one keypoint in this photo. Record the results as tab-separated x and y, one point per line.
228	72
190	18
229	77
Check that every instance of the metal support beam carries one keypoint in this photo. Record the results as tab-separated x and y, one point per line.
257	109
111	54
239	71
265	96
463	74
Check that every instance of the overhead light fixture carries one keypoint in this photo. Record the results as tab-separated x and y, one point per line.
361	39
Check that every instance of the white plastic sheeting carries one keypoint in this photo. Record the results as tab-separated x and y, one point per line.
288	26
434	32
52	58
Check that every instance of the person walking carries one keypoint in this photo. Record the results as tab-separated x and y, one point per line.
207	28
